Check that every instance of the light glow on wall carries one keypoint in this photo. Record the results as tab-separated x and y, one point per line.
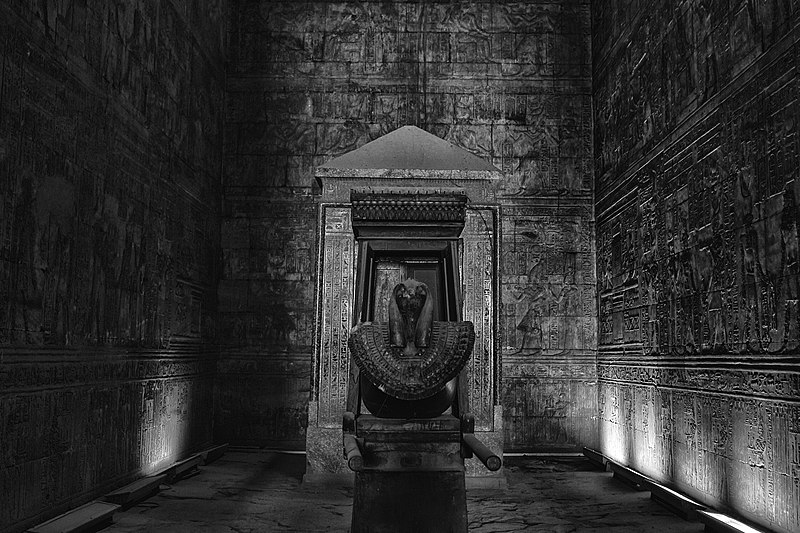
613	437
166	424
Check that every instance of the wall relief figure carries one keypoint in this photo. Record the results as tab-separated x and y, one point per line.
715	303
790	262
648	295
530	325
751	289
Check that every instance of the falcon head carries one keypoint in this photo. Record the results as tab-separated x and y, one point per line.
410	316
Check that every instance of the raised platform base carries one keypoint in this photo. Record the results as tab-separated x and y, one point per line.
629	476
135	492
596	458
676	502
212	454
187	467
412	477
84	518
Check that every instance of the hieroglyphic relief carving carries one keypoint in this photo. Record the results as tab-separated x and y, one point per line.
478	191
547	302
700	435
714	194
720	287
550	401
122	250
783	385
335	300
108	244
478	267
156	393
387	276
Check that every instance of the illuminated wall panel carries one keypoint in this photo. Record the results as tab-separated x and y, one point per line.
696	157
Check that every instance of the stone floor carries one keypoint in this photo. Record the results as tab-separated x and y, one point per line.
248	492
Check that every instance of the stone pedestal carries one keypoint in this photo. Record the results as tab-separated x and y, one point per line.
412	478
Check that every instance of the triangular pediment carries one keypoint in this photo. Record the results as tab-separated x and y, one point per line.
410	147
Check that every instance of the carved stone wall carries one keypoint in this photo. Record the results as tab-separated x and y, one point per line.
508	81
266	302
697	245
110	160
549	326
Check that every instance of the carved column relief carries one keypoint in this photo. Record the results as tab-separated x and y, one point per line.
478	281
336	315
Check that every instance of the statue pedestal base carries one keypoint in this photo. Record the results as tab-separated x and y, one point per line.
412	478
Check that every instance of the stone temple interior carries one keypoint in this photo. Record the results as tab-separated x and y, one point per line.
162	177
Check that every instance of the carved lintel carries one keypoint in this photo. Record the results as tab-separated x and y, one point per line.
418	206
420	212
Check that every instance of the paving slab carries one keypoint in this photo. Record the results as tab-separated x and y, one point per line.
249	492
